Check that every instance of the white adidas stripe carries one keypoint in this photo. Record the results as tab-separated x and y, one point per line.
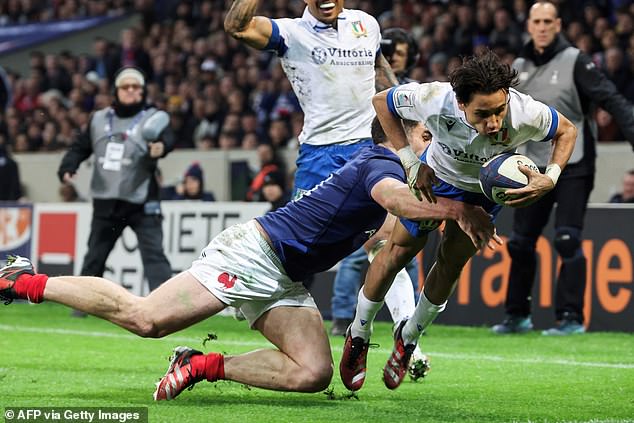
448	356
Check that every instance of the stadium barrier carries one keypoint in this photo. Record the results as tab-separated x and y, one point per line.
55	236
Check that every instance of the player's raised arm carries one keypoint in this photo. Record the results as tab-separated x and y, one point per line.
242	25
539	184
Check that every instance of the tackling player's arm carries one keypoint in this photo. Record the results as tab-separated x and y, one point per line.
395	197
242	25
419	178
539	184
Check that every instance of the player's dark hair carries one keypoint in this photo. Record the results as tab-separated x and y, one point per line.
484	73
378	134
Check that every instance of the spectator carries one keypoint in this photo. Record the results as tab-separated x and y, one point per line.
193	186
269	162
10	188
274	190
627	193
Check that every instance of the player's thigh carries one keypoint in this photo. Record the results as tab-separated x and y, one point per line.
403	245
180	302
298	332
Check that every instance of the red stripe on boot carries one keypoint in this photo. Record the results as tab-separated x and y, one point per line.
31	287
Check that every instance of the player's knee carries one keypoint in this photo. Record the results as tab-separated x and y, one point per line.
141	323
318	378
568	242
310	378
520	246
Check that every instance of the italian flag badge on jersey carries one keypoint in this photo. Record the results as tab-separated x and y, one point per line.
358	29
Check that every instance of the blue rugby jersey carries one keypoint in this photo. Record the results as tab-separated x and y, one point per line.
335	218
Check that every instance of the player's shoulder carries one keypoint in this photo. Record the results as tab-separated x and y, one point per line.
352	13
523	103
368	20
376	155
289	24
435	92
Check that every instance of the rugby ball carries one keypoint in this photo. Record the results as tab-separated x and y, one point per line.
502	172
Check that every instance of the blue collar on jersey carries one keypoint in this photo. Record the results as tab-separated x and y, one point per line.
318	25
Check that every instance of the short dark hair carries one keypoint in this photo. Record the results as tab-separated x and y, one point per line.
484	73
378	134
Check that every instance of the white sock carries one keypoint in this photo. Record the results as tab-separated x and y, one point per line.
364	316
400	297
424	314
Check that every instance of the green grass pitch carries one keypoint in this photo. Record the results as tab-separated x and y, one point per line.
51	359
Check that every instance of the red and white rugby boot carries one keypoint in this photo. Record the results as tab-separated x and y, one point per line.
352	367
9	274
397	365
188	367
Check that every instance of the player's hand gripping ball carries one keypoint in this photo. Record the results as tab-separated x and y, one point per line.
502	172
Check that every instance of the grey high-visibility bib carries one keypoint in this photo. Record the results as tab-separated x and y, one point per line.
122	167
553	84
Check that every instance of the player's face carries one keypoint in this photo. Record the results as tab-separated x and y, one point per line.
325	11
486	112
398	61
129	91
543	25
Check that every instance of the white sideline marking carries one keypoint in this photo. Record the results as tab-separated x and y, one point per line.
448	356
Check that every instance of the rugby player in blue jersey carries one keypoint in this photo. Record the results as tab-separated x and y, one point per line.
472	118
256	267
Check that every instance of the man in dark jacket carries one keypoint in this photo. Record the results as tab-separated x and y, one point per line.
554	72
126	139
10	189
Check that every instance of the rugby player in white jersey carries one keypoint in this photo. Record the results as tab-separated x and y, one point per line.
472	118
332	58
256	267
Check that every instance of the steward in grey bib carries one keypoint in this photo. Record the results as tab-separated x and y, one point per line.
126	141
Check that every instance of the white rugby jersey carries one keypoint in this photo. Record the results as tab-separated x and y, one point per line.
457	151
332	73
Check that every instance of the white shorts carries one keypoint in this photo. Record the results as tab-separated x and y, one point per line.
241	269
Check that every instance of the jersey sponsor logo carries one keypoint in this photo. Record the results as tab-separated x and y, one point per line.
227	280
554	78
342	56
404	99
358	29
319	55
461	155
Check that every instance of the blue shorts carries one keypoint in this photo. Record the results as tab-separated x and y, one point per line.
316	163
420	228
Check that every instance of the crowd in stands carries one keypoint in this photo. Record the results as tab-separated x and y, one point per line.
222	95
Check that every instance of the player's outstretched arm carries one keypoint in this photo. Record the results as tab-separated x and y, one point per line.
240	23
394	196
539	184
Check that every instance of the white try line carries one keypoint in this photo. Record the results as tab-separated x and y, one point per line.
260	344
